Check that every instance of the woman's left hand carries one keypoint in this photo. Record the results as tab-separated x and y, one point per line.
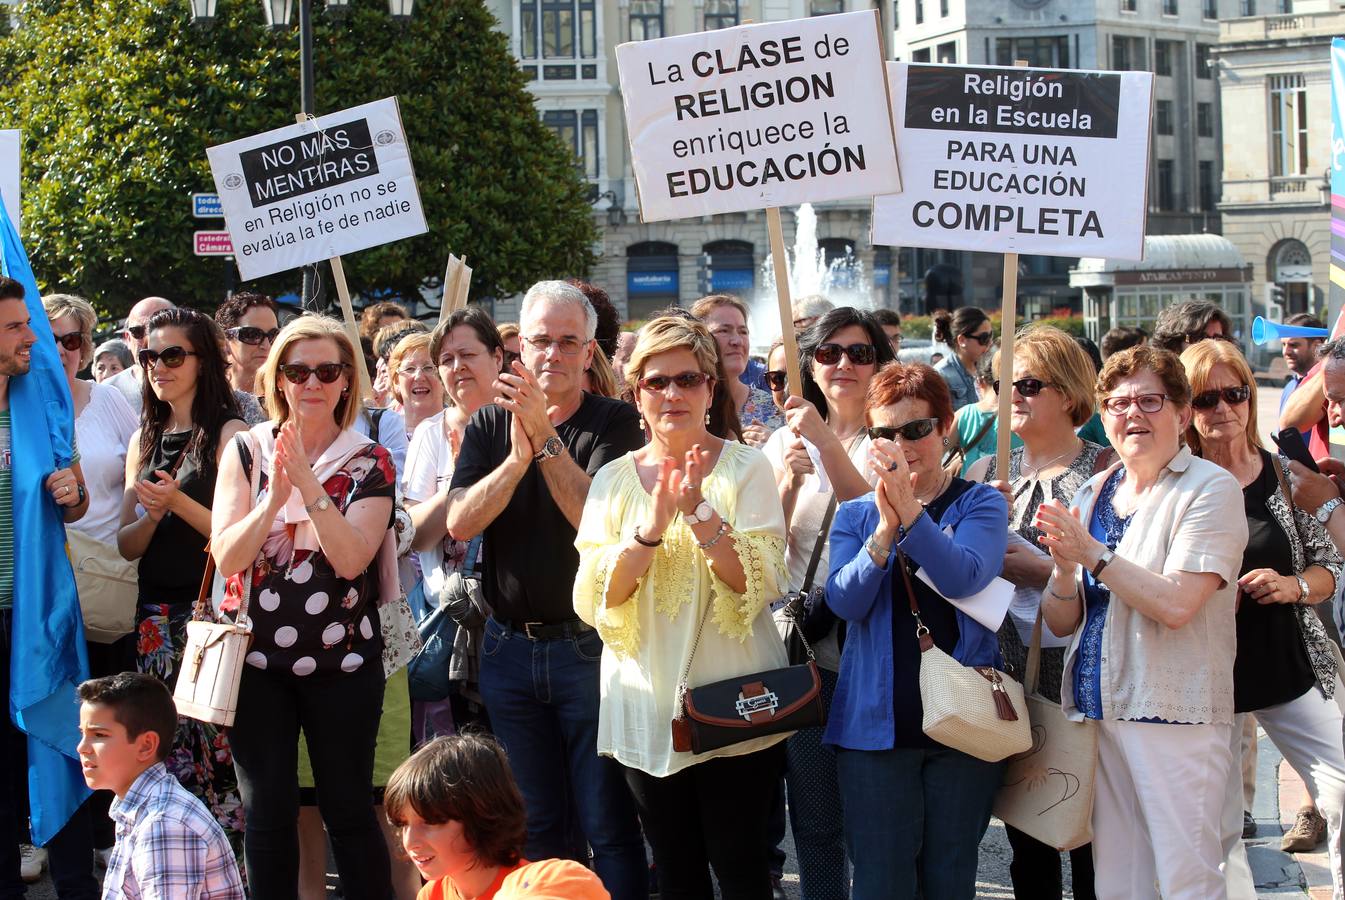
802	418
1269	586
689	489
292	457
1064	534
157	497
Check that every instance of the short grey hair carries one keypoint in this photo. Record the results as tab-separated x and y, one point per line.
117	348
811	306
561	293
1332	350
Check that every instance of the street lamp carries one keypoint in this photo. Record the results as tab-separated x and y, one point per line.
278	13
400	10
203	12
338	9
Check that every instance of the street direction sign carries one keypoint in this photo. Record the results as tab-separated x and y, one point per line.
213	243
206	206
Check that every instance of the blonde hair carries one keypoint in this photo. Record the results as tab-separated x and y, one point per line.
310	327
1054	356
601	377
706	305
406	347
507	330
1199	361
58	305
673	333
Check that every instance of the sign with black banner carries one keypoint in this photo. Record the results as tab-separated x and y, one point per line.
319	189
1019	160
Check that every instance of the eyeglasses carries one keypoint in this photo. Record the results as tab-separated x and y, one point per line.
172	357
72	340
1028	387
776	380
136	331
326	372
914	430
656	384
830	354
416	371
252	336
1147	403
982	339
568	345
1231	395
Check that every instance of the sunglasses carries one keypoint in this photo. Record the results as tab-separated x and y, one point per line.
982	339
776	380
914	430
656	384
172	357
72	341
136	331
1147	403
1231	395
327	372
1028	387
830	354
252	336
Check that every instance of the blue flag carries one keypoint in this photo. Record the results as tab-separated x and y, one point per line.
48	658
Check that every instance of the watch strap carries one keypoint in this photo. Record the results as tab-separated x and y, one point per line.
1102	561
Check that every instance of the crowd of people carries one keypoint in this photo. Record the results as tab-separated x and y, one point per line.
587	524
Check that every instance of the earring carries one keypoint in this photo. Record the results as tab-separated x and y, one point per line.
707	417
643	426
945	442
345	392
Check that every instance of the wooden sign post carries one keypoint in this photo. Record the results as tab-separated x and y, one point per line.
457	282
780	263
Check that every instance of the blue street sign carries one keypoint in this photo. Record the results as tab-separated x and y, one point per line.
206	206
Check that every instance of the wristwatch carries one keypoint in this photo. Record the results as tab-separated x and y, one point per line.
1106	556
701	513
322	503
1326	509
550	450
1303	590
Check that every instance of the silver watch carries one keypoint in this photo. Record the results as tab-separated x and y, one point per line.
1326	509
1303	589
321	504
701	513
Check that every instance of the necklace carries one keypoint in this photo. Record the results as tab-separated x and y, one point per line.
944	479
1036	470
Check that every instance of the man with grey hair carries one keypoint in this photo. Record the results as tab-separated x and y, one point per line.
130	380
520	481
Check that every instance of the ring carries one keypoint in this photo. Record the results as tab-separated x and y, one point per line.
65	490
892	467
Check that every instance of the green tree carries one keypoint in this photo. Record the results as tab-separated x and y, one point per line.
118	100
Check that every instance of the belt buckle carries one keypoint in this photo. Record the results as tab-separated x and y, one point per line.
527	630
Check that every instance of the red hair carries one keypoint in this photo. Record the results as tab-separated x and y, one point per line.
914	381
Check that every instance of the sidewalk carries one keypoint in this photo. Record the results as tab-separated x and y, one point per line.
1279	794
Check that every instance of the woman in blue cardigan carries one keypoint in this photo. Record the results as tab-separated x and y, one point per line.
915	810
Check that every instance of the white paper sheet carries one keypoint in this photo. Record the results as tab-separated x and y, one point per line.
988	606
1026	601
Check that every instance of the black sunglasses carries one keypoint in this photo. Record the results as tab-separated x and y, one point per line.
914	430
982	339
776	379
172	357
252	336
326	372
830	354
71	340
136	331
1028	387
1231	395
684	380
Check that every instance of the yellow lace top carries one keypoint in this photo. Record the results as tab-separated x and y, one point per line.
648	639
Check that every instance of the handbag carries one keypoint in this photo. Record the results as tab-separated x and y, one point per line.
974	709
805	614
749	706
428	672
1047	791
108	587
213	659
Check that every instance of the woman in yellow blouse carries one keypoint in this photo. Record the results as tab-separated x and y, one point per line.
685	536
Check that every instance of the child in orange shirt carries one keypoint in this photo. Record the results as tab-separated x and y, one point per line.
462	823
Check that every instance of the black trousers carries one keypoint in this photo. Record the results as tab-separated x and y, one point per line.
1036	870
712	815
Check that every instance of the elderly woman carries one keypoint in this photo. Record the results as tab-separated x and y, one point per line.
914	809
1284	671
305	545
416	387
1144	578
1052	396
726	317
681	551
111	357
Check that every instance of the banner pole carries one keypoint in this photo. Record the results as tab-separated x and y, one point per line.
780	263
366	386
1008	324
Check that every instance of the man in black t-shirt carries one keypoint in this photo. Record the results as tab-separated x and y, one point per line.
521	479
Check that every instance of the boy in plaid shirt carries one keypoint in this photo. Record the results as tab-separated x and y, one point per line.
169	847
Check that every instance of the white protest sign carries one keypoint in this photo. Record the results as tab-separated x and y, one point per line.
759	115
322	188
9	175
1018	160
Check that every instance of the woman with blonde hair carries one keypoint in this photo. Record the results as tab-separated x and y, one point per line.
416	387
306	545
1284	672
681	551
726	317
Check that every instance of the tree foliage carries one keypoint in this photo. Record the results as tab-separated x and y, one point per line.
118	99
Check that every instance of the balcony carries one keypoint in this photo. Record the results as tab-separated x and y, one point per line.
1290	27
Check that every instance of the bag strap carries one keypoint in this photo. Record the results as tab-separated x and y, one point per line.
960	450
1104	460
1033	673
819	544
921	630
202	610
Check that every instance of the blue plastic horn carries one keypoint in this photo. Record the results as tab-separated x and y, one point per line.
1264	331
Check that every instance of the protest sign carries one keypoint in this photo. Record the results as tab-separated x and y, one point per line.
1019	160
758	116
318	189
9	175
457	282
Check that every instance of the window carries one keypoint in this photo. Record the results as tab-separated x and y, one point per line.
1163	117
896	15
579	132
1043	52
1203	67
646	19
921	55
560	24
1169	7
943	9
720	14
1210	9
1129	5
1204	120
947	52
1284	7
1127	53
1288	125
1166	200
1206	185
1247	7
825	7
1163	53
919	12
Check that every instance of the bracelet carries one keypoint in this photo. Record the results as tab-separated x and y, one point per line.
903	530
878	553
1052	592
83	494
642	542
723	530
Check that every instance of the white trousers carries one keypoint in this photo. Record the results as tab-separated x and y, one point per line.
1307	731
1156	815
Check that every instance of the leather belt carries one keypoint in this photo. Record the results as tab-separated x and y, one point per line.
547	631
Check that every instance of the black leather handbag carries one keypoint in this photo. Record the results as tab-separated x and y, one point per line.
807	617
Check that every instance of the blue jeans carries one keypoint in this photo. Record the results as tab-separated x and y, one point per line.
542	698
815	813
914	819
